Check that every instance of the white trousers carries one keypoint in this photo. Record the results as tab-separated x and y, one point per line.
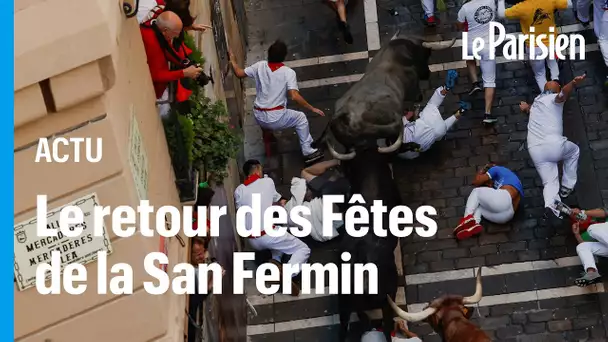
488	72
429	7
545	158
600	22
538	67
587	250
432	116
286	244
495	205
163	104
602	38
487	66
430	126
275	121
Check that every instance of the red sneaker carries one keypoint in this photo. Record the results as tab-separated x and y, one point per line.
467	222
431	21
467	233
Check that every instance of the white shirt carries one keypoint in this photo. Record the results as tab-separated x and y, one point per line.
243	196
298	192
377	336
271	87
546	122
143	11
478	14
420	133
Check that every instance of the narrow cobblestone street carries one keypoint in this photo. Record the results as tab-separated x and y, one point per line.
529	291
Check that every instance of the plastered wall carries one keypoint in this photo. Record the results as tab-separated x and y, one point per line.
88	77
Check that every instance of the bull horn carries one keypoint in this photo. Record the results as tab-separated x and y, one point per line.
409	316
394	147
475	298
335	154
438	46
340	156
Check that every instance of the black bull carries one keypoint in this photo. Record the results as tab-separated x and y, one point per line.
370	176
373	108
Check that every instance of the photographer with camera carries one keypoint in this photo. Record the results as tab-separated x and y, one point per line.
157	36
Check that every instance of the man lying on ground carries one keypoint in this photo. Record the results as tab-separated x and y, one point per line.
548	146
496	198
430	127
592	242
316	181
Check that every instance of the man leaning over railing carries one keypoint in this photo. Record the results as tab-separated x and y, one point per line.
157	37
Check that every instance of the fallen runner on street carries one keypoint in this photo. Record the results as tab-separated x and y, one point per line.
496	198
423	132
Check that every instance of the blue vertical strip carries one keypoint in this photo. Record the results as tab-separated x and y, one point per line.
7	285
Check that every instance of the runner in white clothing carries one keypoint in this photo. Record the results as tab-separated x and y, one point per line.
430	126
547	144
286	244
592	242
600	23
273	81
474	18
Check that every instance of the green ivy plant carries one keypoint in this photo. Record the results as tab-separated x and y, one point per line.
209	140
215	141
187	128
196	55
179	124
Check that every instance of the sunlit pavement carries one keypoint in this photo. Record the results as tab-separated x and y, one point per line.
530	294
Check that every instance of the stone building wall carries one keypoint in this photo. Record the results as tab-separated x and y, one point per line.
86	75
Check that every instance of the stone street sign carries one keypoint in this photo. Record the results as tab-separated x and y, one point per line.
31	250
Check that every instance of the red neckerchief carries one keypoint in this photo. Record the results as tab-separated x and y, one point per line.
275	66
251	179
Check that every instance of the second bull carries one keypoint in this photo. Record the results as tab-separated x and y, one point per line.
449	316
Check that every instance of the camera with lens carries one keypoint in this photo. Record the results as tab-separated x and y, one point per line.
202	79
